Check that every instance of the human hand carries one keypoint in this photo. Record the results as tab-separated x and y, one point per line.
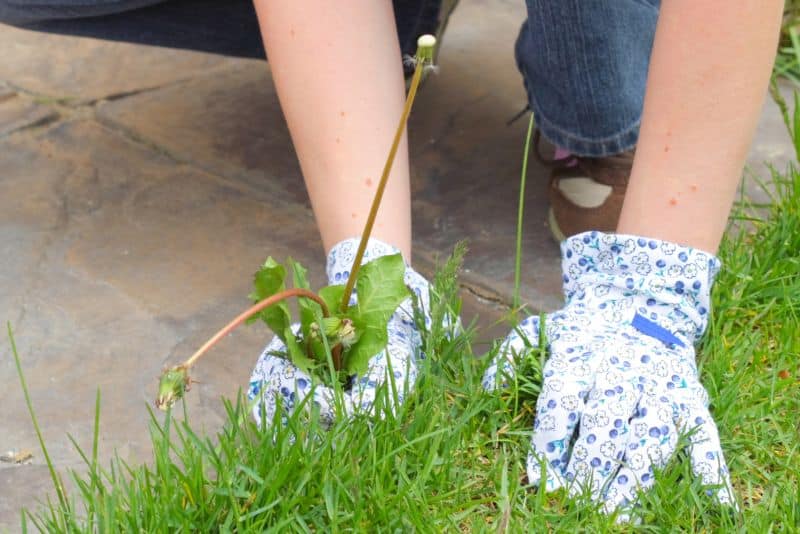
276	377
621	370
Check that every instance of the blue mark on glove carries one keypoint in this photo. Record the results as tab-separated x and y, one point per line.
656	331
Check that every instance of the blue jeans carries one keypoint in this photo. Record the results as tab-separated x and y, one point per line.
583	62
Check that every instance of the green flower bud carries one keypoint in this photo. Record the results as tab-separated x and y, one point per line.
337	330
425	46
347	334
174	383
331	326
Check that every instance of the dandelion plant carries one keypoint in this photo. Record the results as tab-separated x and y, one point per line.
347	334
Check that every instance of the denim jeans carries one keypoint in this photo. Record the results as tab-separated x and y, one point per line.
583	62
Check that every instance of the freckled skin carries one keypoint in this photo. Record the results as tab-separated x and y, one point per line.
705	88
362	113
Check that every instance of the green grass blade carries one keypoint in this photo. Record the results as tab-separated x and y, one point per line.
96	436
520	213
62	499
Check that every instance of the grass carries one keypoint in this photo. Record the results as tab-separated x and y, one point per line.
452	458
787	60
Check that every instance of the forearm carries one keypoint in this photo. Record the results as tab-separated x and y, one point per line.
709	72
338	74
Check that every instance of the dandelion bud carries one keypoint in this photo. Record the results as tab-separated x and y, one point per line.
425	45
174	383
347	334
332	325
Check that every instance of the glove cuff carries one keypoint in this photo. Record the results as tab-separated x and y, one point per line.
340	261
341	256
662	282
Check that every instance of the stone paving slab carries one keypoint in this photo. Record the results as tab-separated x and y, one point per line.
771	149
77	70
228	123
36	480
17	113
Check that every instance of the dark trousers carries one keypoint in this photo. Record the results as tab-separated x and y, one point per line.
227	27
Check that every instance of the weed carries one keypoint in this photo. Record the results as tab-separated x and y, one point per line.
787	60
334	335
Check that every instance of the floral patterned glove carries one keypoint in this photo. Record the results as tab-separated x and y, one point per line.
621	371
275	377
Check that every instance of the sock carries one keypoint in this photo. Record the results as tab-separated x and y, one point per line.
561	153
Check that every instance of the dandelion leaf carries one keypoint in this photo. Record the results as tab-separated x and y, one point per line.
380	289
268	280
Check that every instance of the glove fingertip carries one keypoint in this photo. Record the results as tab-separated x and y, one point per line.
708	460
537	470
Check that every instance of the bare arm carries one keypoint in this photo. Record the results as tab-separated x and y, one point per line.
708	76
338	73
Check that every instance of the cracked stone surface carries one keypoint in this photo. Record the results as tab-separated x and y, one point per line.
20	113
138	196
77	70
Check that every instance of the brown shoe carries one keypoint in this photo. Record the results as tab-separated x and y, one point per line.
585	193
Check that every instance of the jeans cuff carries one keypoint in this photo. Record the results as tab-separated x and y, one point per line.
617	143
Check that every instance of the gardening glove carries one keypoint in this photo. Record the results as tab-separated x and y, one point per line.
621	371
275	377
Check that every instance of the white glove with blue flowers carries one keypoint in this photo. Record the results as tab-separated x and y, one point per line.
275	377
621	381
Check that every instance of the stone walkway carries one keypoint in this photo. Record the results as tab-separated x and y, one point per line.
141	187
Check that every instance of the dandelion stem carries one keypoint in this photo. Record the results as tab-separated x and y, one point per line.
424	55
252	310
